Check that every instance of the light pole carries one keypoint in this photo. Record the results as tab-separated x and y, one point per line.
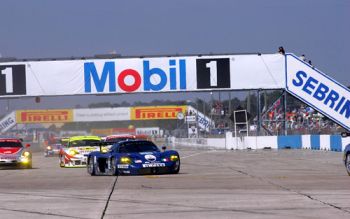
8	106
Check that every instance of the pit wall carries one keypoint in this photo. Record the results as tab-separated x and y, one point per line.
314	142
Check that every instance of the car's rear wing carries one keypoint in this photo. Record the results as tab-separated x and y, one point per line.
103	143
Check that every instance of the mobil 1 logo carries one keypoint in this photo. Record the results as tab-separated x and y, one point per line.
213	73
12	79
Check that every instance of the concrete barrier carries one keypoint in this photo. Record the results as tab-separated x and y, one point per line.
313	142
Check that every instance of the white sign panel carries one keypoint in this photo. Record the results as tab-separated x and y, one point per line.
192	131
151	131
318	90
204	122
131	75
8	122
101	114
191	119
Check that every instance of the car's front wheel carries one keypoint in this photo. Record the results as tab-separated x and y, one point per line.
26	166
61	160
114	169
347	163
91	167
29	165
176	169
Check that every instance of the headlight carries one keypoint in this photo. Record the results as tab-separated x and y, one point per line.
125	160
25	160
104	150
26	154
48	147
72	152
174	157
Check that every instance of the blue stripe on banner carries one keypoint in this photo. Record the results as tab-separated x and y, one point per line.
315	142
289	141
336	143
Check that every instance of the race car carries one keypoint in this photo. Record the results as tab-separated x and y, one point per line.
77	149
54	147
346	153
133	157
14	154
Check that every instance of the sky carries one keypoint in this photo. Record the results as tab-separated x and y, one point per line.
320	29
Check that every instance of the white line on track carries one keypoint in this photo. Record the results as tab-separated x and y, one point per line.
192	155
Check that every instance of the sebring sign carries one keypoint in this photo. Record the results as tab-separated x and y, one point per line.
318	90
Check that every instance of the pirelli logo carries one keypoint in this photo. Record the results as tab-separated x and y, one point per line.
44	116
154	112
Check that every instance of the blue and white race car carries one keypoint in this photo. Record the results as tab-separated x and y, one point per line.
133	157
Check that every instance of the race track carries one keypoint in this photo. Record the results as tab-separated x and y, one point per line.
211	184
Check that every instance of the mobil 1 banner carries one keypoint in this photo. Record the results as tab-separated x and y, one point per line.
12	80
213	73
318	90
142	75
240	72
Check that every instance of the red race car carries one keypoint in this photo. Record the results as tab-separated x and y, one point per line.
13	153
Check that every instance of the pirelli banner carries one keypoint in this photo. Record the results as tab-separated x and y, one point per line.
93	115
44	116
132	75
156	112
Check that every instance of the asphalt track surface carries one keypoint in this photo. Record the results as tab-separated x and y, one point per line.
211	184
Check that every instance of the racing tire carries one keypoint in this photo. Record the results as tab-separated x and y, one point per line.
29	165
177	170
347	163
25	166
114	169
62	164
91	167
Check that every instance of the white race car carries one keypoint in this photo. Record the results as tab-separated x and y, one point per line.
77	149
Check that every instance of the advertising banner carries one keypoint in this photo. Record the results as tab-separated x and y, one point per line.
318	90
102	114
44	116
204	122
8	122
144	74
156	112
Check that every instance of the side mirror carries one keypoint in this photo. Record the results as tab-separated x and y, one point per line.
27	145
163	148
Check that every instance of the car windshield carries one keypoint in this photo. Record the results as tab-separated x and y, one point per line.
10	144
86	142
137	147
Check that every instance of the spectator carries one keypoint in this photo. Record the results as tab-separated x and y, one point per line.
303	58
310	63
281	50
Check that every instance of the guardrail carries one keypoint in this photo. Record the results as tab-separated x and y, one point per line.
313	142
